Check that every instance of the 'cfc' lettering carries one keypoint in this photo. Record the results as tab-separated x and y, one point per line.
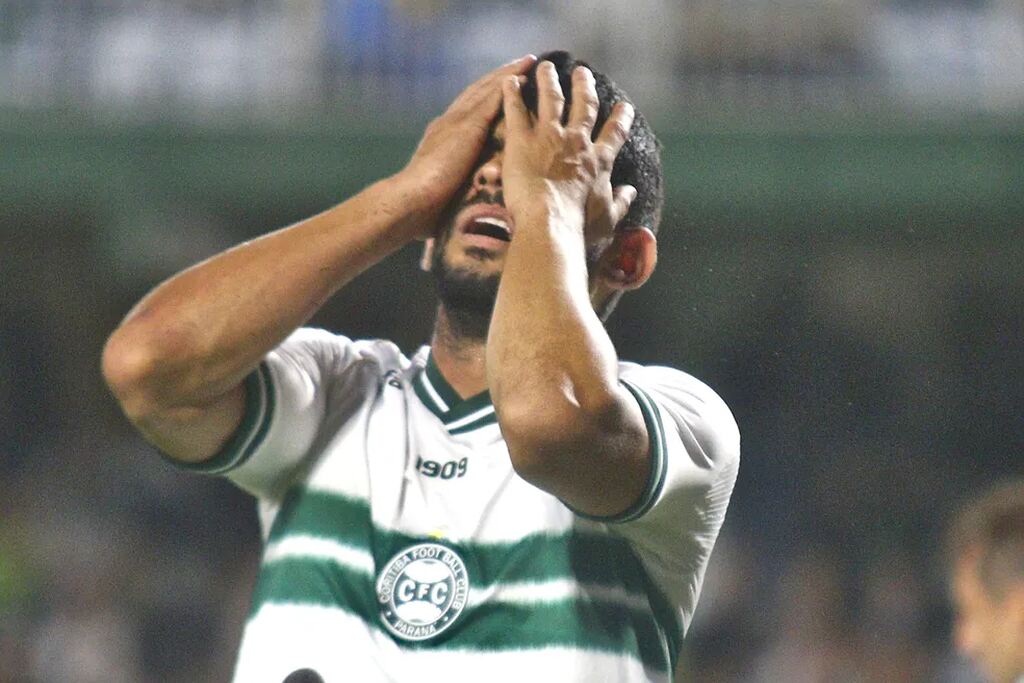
409	590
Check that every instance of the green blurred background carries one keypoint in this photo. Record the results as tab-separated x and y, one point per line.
840	257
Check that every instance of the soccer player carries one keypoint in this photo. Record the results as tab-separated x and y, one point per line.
512	502
987	556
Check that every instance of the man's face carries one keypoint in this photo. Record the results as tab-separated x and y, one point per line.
470	246
988	630
477	230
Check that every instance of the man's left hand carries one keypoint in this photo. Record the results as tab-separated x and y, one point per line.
549	166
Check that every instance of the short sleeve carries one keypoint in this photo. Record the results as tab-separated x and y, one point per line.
695	448
288	396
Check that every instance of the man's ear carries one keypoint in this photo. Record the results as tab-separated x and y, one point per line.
427	257
628	261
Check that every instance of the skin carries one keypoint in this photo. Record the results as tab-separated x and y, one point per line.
177	362
989	629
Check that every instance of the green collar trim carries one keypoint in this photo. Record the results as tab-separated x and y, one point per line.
457	414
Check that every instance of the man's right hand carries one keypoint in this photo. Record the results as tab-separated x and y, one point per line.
452	144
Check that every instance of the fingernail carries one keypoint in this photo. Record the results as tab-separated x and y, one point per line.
520	60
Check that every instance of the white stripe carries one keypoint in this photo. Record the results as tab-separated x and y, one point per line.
483	412
280	639
433	393
320	548
557	590
533	512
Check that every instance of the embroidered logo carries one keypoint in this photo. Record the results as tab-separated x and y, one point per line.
422	591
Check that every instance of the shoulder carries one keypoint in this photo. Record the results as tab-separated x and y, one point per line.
689	406
337	352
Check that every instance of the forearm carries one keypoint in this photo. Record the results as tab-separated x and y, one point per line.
547	349
553	376
198	334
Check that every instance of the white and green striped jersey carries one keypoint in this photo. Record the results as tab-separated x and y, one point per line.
402	546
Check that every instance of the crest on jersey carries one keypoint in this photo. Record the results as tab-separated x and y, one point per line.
422	591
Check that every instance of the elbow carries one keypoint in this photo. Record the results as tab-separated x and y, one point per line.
543	437
128	370
136	365
534	438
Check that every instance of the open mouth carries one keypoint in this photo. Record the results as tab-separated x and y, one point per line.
489	226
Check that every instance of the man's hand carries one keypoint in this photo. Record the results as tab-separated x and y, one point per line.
452	144
550	167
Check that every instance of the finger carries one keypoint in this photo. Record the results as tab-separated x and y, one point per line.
492	81
583	112
517	117
550	100
487	87
622	199
615	130
516	66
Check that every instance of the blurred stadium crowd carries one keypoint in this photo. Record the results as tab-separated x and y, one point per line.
272	56
876	375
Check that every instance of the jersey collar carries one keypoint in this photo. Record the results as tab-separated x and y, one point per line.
457	414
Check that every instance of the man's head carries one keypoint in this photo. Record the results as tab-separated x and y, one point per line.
987	576
467	256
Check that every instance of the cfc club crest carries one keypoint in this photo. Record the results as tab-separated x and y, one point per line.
422	590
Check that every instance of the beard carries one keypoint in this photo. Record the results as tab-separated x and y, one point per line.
468	297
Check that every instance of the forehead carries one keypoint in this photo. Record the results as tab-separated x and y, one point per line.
499	129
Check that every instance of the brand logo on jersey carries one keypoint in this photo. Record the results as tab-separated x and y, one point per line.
422	591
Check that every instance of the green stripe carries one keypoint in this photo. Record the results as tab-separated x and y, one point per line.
489	419
588	558
440	384
324	515
309	581
256	418
659	466
461	409
586	624
425	397
457	407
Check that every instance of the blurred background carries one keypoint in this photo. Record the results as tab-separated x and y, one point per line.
841	258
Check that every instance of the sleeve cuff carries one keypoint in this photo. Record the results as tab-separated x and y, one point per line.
656	478
259	410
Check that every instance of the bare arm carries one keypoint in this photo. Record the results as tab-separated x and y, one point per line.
177	361
571	428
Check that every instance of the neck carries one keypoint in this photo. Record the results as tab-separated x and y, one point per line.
461	359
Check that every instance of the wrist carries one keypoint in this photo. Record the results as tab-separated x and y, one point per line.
546	207
410	202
